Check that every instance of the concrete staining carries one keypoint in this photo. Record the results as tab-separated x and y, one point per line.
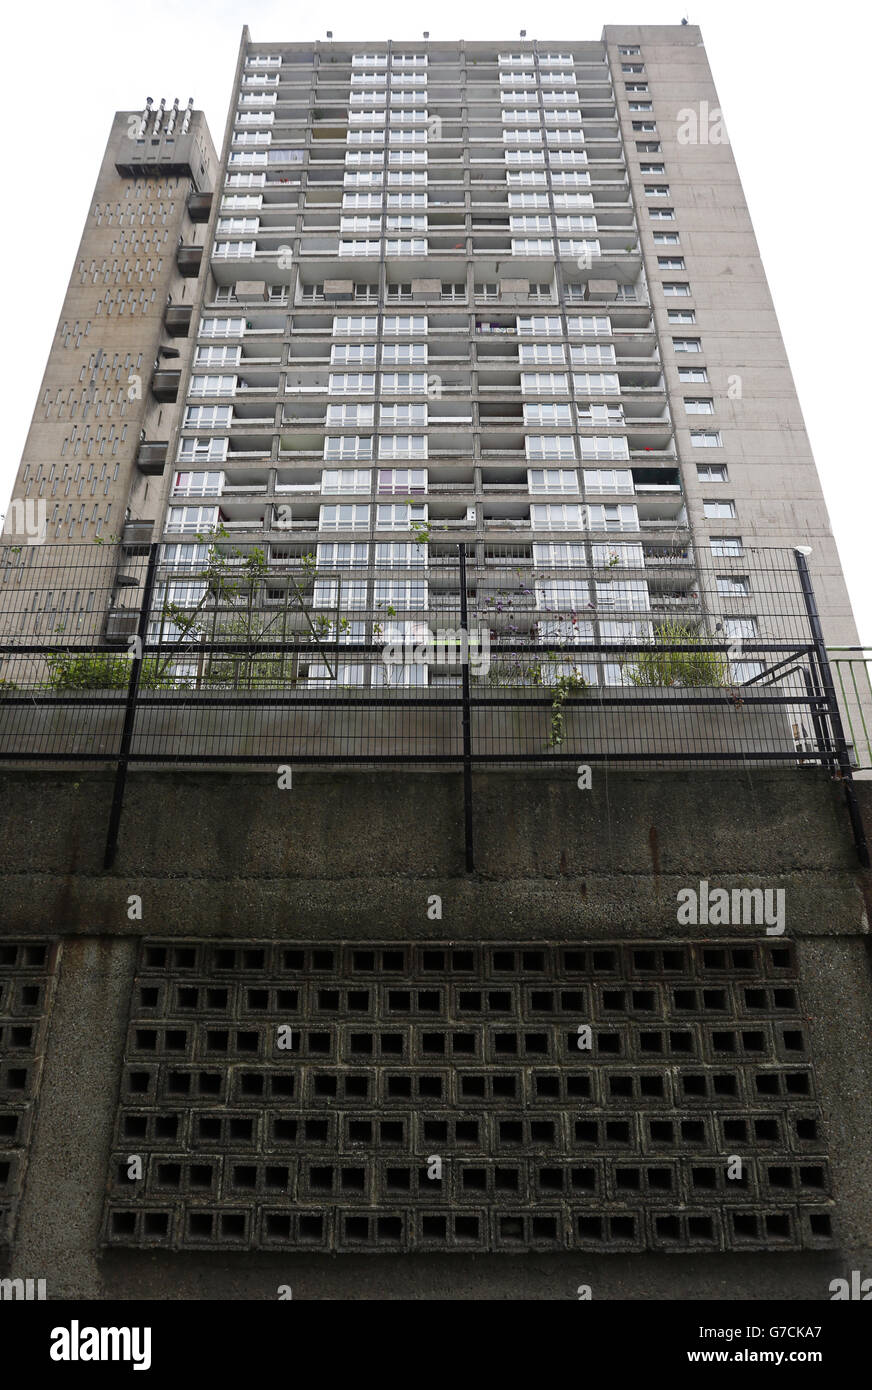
357	855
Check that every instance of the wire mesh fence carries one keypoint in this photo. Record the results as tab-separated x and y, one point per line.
206	652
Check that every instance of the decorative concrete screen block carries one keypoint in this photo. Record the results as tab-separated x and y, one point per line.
391	1097
602	289
26	977
249	290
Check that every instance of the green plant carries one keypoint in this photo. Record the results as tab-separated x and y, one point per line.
664	666
103	671
562	688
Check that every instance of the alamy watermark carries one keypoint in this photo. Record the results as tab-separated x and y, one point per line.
447	644
26	521
741	907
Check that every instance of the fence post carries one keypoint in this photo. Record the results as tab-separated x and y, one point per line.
832	704
467	720
130	711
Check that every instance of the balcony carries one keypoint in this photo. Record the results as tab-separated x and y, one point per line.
165	384
136	536
199	206
151	457
177	320
188	260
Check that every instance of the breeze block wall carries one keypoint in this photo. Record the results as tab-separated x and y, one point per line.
289	1024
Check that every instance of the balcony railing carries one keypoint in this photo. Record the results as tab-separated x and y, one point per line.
244	660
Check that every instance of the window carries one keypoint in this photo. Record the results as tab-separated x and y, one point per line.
400	516
616	595
559	554
192	519
222	328
597	384
217	356
648	146
400	554
404	354
532	383
396	416
711	472
615	554
231	226
350	383
198	484
663	215
346	480
405	323
340	554
718	511
339	593
699	405
345	325
362	415
641	105
656	190
541	353
532	246
207	417
401	593
604	447
740	627
550	414
666	239
635	88
592	355
540	324
727	545
235	250
677	289
402	446
202	450
405	383
706	439
684	316
352	354
692	374
550	446
402	480
555	516
552	480
344	516
600	415
629	50
671	262
212	386
589	326
652	168
645	127
608	480
733	585
687	344
348	446
608	516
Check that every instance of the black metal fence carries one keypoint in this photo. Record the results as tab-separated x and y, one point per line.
202	653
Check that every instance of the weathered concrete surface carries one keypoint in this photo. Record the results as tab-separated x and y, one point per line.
59	1222
368	848
358	853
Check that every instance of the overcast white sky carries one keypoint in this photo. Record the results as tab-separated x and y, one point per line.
792	79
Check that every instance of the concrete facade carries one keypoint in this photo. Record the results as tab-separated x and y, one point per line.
109	381
354	857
